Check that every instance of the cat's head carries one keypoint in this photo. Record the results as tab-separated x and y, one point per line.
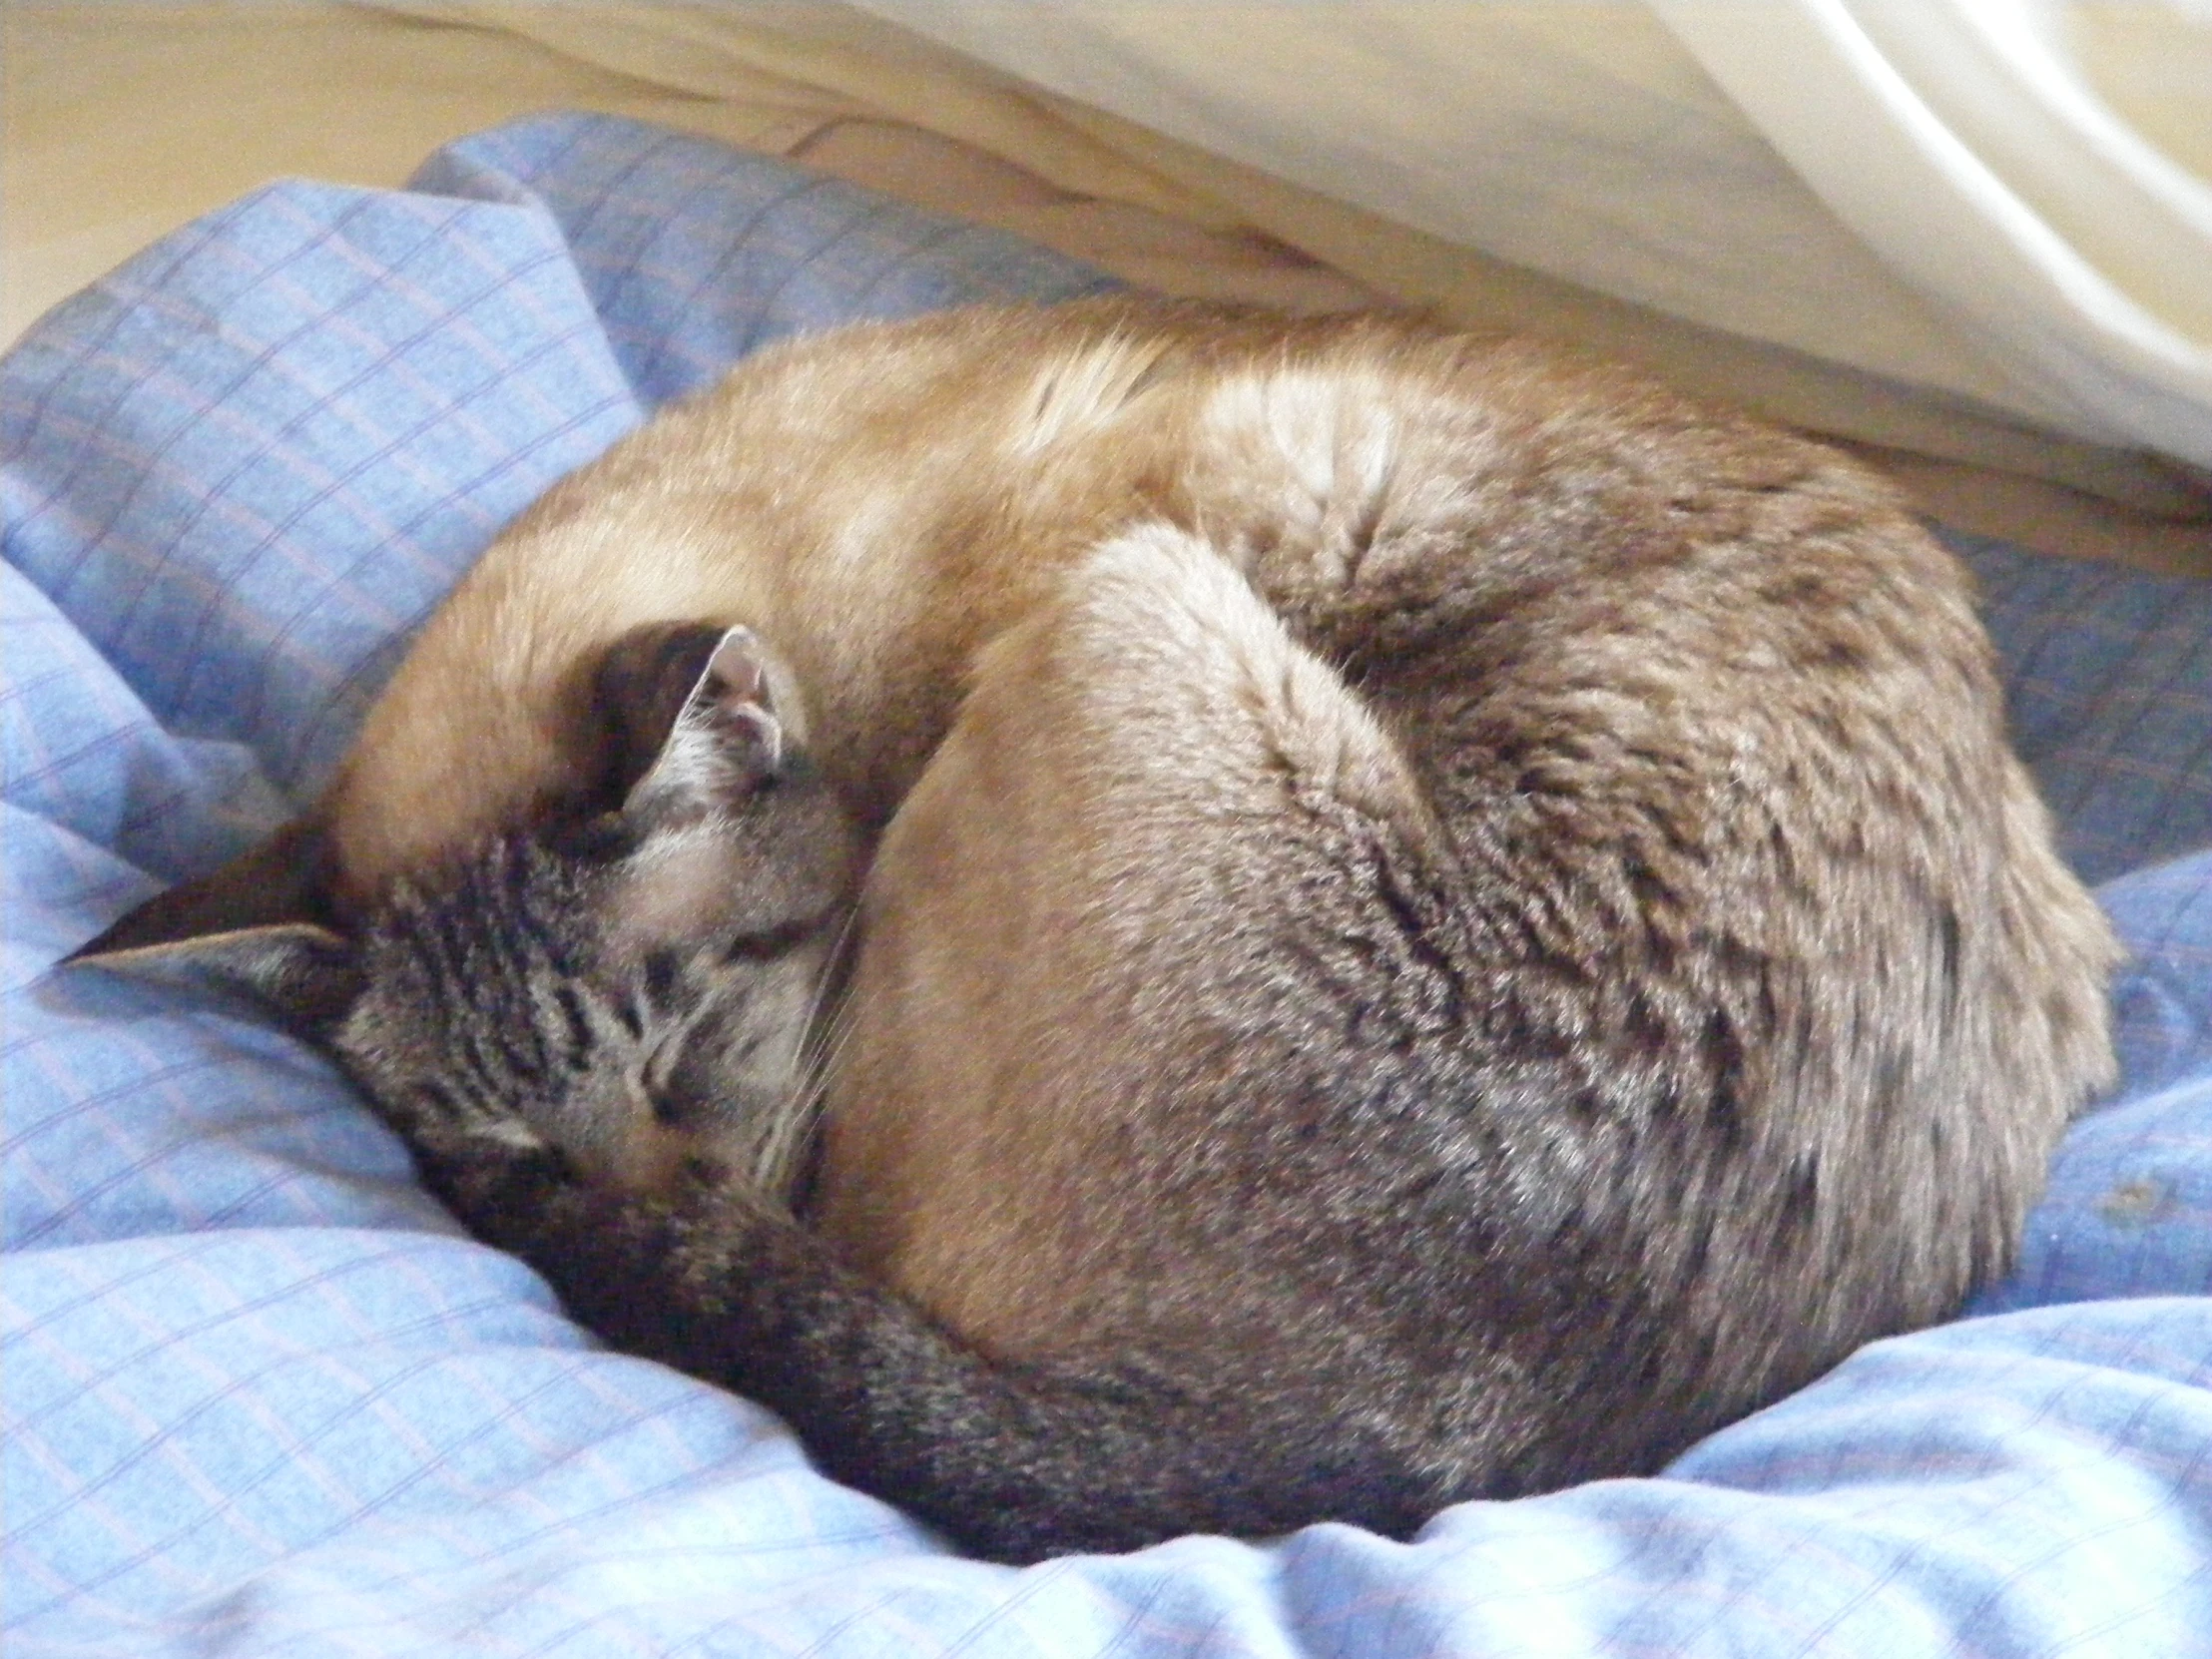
637	986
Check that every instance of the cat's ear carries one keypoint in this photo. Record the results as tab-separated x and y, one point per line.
307	976
714	741
285	880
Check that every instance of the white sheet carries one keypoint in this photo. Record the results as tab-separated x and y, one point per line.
1929	191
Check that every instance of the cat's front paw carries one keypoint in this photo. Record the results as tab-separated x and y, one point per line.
735	699
700	695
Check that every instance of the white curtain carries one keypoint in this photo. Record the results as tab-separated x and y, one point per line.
1998	200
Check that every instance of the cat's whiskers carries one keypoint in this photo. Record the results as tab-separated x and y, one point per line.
784	1144
812	1069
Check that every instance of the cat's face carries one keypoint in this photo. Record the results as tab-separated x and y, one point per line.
633	1032
636	987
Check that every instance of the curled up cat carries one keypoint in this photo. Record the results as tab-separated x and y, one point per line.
1426	920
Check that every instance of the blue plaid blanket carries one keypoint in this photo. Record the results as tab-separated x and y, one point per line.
261	1395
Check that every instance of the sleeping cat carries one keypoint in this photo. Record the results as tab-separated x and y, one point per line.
1439	921
527	1017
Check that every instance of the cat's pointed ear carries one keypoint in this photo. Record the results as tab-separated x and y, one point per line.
285	880
719	741
307	976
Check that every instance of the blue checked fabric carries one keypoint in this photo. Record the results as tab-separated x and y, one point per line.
261	1397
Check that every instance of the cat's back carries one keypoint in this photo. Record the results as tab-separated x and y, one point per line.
883	498
1500	832
887	498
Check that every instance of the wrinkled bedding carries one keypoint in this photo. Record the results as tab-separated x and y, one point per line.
260	1394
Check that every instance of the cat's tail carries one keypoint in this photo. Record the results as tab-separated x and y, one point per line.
1010	1462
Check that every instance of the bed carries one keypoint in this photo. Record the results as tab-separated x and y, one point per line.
261	1395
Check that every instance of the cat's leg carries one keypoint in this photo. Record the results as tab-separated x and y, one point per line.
1165	865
